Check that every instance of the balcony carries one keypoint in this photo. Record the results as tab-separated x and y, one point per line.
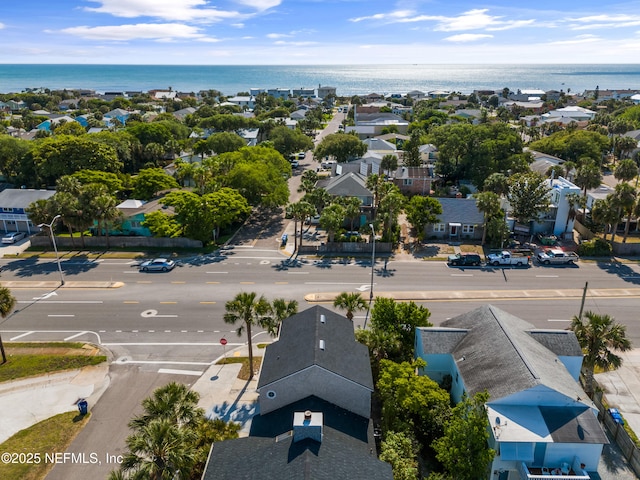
564	471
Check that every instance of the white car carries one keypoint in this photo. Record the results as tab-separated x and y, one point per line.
157	265
13	237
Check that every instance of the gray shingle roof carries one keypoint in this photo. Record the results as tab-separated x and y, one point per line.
499	353
459	210
299	347
22	197
348	184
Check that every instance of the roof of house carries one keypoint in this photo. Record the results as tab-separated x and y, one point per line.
379	145
299	347
459	210
347	449
22	197
133	207
347	185
504	354
414	172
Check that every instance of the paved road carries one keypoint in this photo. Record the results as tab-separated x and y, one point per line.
105	434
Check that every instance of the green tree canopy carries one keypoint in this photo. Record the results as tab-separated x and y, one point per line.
341	146
201	216
223	142
112	181
150	181
63	155
422	211
528	196
288	141
411	402
463	449
573	145
258	174
351	302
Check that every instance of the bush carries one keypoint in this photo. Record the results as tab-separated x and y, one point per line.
596	247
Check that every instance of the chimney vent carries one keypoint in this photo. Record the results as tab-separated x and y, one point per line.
321	344
323	319
307	424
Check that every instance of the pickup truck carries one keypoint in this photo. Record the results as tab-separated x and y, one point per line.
557	257
507	258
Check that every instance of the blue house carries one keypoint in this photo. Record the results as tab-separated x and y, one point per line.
13	208
541	422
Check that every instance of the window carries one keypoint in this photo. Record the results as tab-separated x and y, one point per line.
439	227
407	182
468	228
7	210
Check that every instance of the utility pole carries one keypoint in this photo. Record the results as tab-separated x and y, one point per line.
584	296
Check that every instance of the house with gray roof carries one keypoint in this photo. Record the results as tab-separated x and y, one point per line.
414	180
349	184
14	203
315	391
460	219
316	354
539	416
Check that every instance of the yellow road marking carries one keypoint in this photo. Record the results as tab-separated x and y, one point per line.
247	283
130	301
213	283
208	303
170	303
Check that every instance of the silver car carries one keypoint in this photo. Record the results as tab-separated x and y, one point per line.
157	265
13	237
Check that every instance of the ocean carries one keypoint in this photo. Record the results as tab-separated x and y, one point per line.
348	80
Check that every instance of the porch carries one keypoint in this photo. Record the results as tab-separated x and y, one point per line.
564	471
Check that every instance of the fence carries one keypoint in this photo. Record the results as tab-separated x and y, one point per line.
628	448
114	242
345	248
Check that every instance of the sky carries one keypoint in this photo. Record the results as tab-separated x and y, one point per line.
318	32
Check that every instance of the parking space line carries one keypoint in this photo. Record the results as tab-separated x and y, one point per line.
12	339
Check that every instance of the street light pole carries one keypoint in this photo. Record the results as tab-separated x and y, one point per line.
53	240
373	263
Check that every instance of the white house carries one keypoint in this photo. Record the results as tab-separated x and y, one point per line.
542	424
573	112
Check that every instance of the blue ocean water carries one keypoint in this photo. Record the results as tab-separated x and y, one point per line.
348	80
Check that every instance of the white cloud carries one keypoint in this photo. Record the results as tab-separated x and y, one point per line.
580	39
475	19
467	37
1	26
260	5
277	35
604	21
155	31
296	44
183	10
396	16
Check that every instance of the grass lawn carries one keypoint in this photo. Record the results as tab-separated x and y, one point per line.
244	370
40	442
30	359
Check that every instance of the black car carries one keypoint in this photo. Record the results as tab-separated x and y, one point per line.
464	259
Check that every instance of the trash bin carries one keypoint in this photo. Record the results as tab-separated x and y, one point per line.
285	237
82	406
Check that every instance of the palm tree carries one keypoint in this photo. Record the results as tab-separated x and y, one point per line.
623	200
174	402
7	304
588	176
599	337
489	204
351	302
159	450
246	309
280	310
574	200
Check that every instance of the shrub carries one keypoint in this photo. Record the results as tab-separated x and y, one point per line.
596	247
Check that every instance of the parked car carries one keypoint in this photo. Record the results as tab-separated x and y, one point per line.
157	265
615	414
13	237
315	220
557	257
300	155
508	258
464	259
295	164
